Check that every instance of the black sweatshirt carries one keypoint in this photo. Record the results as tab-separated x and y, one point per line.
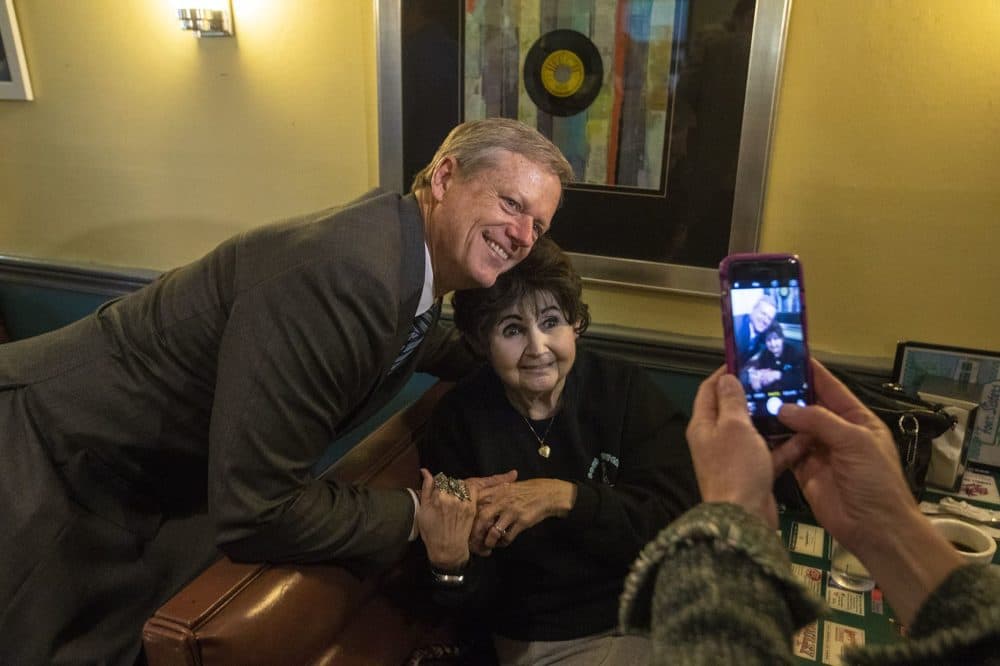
620	440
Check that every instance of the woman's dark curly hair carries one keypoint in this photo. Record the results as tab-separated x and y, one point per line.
774	329
545	269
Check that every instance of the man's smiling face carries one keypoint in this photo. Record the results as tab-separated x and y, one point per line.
762	315
483	225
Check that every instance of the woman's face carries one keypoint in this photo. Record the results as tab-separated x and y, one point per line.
532	346
775	344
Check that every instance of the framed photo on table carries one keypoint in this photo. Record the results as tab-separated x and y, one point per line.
14	80
663	107
966	378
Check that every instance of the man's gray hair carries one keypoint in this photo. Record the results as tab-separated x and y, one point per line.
474	146
767	298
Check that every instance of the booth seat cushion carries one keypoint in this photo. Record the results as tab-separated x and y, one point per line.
309	614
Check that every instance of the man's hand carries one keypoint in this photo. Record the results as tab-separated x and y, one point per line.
444	522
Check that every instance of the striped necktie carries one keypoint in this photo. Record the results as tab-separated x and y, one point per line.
420	326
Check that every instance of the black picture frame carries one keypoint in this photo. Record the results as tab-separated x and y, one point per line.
706	203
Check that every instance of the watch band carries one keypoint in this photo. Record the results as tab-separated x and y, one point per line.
449	579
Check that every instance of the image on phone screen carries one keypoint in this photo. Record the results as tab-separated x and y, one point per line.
768	338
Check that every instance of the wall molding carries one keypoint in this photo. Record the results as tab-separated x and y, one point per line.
85	278
702	355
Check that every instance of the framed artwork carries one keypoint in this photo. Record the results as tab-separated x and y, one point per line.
663	107
14	81
967	378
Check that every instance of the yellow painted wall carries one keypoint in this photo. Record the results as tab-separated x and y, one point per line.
146	146
885	178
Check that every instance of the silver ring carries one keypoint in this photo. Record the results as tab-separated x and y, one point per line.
500	530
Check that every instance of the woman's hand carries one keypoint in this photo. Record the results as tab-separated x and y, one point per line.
769	376
849	471
445	522
848	466
731	459
506	510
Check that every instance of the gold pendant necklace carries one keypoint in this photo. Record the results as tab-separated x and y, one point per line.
544	450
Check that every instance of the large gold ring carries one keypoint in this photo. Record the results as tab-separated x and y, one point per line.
452	486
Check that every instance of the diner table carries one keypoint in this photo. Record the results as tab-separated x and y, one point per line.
856	618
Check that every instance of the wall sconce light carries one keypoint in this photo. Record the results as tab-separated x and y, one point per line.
215	21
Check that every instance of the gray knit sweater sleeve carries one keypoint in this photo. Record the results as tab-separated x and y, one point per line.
958	624
715	586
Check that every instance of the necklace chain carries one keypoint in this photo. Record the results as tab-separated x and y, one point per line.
544	450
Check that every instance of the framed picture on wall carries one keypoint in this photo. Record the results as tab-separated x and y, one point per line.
663	107
14	80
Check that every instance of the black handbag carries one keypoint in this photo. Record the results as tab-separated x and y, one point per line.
913	422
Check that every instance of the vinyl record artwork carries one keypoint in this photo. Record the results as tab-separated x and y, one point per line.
563	72
649	101
592	75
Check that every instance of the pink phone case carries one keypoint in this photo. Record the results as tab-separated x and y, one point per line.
725	284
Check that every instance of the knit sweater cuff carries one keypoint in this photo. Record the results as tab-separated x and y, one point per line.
701	533
960	619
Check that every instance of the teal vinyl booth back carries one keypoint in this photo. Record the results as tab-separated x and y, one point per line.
31	309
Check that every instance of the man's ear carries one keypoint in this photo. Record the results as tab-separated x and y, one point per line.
442	176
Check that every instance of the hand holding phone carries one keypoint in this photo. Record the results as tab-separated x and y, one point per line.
764	325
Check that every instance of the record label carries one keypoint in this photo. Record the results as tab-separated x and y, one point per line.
562	73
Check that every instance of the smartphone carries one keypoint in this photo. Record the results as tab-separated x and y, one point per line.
764	325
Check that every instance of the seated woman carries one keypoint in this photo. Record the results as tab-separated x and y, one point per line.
778	366
601	464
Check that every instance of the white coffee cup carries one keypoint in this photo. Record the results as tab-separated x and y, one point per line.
972	543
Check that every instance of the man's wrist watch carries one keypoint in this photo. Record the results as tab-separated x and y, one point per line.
452	578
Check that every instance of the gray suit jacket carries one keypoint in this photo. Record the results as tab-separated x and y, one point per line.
190	414
745	347
221	383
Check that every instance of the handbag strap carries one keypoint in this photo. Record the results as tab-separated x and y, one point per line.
907	415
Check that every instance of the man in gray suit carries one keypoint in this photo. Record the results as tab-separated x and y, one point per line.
188	415
748	329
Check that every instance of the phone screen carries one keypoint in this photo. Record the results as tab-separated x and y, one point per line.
766	342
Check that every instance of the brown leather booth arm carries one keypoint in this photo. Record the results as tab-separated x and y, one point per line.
305	614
